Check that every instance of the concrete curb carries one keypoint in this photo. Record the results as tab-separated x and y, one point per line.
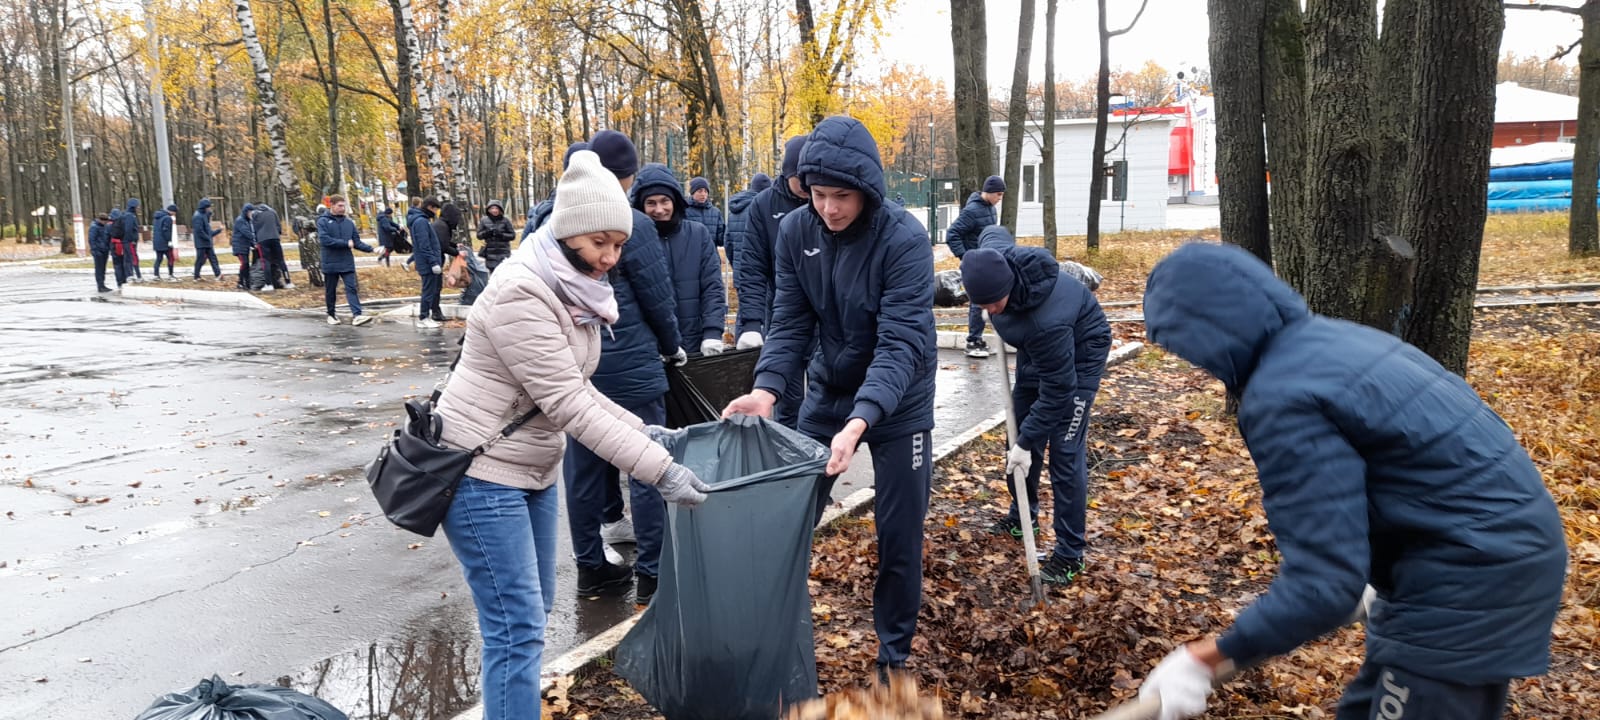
602	645
243	301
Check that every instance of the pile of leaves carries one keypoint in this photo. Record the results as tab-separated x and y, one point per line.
1178	544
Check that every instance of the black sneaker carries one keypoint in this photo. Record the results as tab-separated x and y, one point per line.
1057	571
1009	528
977	348
603	580
644	589
888	673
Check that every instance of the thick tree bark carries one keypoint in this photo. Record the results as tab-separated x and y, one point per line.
452	102
1097	152
267	99
406	123
1458	43
1017	117
974	136
430	129
1235	49
335	159
1391	97
1583	233
1047	151
1283	66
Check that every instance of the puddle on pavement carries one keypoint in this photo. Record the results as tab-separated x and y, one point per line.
431	674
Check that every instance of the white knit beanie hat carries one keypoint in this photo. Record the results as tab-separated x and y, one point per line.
589	199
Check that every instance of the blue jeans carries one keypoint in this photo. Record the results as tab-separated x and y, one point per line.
589	482
1069	472
330	288
505	540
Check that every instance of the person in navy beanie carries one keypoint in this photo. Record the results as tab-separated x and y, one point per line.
872	374
702	211
962	236
739	217
1062	340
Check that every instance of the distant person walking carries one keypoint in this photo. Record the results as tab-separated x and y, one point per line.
269	238
242	243
100	247
200	230
388	232
125	229
161	242
429	259
337	234
962	235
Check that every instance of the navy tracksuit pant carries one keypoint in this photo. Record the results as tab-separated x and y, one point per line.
1069	472
786	411
100	257
432	285
1385	692
902	477
592	498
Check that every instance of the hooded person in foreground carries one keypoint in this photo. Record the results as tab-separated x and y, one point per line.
1377	466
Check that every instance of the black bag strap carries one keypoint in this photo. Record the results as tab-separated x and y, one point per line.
438	390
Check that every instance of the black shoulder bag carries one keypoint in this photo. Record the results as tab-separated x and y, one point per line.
415	475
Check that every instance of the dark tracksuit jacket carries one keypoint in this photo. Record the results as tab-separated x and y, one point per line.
334	233
427	253
711	217
755	276
692	262
161	232
200	227
865	294
244	235
387	230
963	235
738	221
1377	465
1062	340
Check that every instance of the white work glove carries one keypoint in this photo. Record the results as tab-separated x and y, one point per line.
677	359
1018	461
710	347
1182	683
680	486
748	339
660	435
1368	597
438	270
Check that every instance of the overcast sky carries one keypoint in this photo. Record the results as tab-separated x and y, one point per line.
1171	32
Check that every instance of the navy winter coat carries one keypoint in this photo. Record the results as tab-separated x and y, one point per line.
738	222
692	262
1060	333
425	248
200	226
99	237
539	215
126	226
244	234
754	274
161	231
962	235
630	370
388	229
710	216
334	233
266	224
865	293
1377	466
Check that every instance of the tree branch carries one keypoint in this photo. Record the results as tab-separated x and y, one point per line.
1541	6
102	68
376	58
358	90
1135	21
1563	52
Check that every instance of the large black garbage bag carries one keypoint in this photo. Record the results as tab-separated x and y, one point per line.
948	290
698	391
214	699
728	635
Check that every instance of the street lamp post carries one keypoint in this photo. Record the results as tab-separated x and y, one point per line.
1122	168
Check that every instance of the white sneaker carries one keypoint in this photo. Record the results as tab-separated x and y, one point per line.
333	320
432	323
614	557
288	286
620	531
360	320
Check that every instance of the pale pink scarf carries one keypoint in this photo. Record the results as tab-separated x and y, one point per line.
589	301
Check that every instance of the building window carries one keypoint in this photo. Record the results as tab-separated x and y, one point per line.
1029	174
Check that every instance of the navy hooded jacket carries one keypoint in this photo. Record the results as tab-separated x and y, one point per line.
1061	335
738	222
755	273
710	216
244	233
1377	466
388	229
962	235
99	237
200	226
266	223
692	262
161	231
631	372
865	294
425	248
126	226
334	233
539	215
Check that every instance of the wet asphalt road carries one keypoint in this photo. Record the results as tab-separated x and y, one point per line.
182	496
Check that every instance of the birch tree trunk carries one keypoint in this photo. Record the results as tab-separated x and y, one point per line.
267	98
452	101
430	130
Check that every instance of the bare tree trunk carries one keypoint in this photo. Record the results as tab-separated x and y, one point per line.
1235	45
1047	150
974	137
1097	152
452	102
406	124
267	98
1283	66
430	129
1391	97
1458	43
1017	117
335	161
1583	233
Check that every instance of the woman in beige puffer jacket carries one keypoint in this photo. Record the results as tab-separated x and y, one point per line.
533	338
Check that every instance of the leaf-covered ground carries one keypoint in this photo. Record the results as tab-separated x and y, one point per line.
1178	543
